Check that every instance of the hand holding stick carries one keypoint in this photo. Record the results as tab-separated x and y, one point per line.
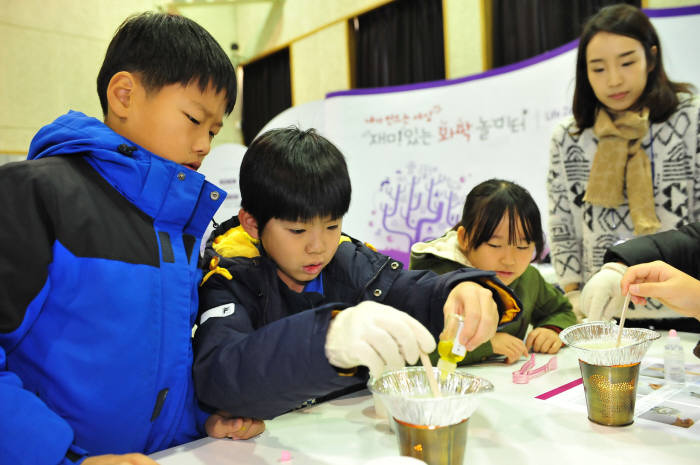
622	318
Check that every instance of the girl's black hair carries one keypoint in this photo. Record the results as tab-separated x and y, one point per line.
167	49
659	95
488	202
293	175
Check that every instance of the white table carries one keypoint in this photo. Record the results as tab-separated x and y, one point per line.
511	427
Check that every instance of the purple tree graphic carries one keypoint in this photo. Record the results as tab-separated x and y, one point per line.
416	204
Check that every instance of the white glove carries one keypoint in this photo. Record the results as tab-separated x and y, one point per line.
376	336
574	298
601	298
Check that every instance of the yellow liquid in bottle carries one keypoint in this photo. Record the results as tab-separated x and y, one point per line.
448	359
445	351
449	354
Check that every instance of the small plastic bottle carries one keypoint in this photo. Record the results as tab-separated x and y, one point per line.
450	350
674	368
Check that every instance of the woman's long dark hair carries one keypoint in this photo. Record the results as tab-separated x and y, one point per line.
659	95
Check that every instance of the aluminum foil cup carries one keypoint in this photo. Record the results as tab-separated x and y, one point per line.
407	397
594	343
379	410
610	374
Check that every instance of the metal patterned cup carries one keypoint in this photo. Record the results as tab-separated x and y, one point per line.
435	445
610	373
432	429
610	392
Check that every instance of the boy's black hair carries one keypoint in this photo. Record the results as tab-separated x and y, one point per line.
489	201
659	95
166	49
293	175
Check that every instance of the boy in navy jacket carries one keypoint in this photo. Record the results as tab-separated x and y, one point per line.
98	258
290	308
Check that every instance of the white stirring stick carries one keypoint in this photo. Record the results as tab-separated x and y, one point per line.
430	373
622	318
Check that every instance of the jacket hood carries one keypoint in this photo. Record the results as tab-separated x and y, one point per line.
446	247
75	133
235	243
136	173
228	241
72	133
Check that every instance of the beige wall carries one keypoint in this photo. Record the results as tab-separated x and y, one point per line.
314	30
320	63
52	49
266	25
464	40
50	55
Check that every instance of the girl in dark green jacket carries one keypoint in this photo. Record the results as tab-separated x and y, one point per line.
501	231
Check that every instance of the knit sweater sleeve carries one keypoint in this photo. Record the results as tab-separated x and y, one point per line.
695	214
565	236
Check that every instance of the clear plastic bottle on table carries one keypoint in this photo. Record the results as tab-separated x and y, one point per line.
674	367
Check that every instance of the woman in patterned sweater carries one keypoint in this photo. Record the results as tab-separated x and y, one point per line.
628	162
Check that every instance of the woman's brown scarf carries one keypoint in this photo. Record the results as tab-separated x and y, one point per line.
620	162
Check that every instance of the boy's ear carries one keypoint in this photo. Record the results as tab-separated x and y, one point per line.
250	224
462	238
120	93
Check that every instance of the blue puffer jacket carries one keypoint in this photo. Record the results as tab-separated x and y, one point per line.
259	349
98	294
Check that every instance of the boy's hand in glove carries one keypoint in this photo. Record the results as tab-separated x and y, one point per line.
376	336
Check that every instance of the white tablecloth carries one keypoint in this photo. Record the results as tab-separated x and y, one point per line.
510	427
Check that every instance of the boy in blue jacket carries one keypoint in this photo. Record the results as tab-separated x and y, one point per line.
98	258
271	336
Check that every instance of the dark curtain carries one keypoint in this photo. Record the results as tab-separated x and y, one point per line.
399	43
267	91
525	28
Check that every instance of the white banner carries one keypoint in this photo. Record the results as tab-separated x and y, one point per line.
415	151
